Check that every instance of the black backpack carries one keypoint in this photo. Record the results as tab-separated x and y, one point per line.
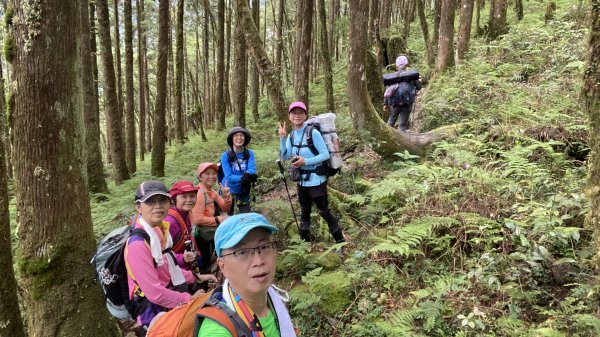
323	169
111	272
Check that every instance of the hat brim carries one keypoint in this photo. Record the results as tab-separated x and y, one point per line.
239	236
151	194
213	166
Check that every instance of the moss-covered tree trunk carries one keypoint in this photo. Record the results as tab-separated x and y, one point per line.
591	94
11	324
254	74
464	29
497	22
129	113
265	67
179	72
111	107
445	58
371	129
56	239
159	138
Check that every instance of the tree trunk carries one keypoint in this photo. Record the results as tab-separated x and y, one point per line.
591	95
445	57
304	10
265	67
333	6
464	30
480	4
240	71
497	21
425	31
207	108
226	90
519	9
11	322
437	16
373	19
159	137
254	75
326	58
95	168
55	224
118	59
279	46
129	113
366	122
179	73
198	109
141	76
117	146
219	92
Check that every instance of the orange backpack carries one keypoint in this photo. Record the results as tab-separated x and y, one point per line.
181	321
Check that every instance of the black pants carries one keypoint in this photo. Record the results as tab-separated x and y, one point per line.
242	202
206	249
317	195
400	113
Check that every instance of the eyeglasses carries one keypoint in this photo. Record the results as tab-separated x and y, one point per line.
245	254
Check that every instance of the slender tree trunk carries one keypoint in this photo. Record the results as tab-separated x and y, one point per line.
12	323
373	18
129	112
333	6
464	30
425	31
179	46
118	59
303	51
254	75
207	83
519	9
480	4
255	45
141	76
117	146
445	58
240	80
279	46
198	110
95	168
437	16
219	92
55	230
591	95
326	58
159	138
226	90
497	21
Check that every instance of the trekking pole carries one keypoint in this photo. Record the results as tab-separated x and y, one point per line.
281	170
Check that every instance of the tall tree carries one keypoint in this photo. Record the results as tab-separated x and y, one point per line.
117	146
11	322
119	72
254	75
219	92
240	69
445	58
591	95
326	58
55	224
279	44
425	31
366	122
304	15
95	168
129	112
437	17
255	45
159	138
179	72
464	29
497	22
142	75
519	9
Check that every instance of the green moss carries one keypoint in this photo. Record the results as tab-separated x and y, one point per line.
335	291
10	49
40	272
8	16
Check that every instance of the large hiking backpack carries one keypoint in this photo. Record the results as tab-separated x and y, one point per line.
325	124
109	263
185	320
405	94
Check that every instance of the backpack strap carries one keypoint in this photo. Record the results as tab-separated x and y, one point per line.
185	234
222	315
139	232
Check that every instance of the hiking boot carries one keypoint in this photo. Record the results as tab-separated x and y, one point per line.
305	235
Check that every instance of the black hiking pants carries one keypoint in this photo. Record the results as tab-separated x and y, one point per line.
400	113
318	195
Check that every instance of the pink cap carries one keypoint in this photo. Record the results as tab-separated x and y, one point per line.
297	104
204	166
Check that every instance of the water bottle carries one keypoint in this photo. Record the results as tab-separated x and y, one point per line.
194	264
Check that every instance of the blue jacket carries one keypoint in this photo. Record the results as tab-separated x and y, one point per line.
311	161
233	171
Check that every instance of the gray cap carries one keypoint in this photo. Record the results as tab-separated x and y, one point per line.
149	188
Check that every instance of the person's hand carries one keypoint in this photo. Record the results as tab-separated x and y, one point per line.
386	107
225	191
282	133
207	277
198	294
189	257
298	161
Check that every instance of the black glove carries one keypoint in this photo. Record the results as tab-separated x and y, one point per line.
253	177
245	179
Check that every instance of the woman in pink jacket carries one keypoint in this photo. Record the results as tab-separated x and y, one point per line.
156	283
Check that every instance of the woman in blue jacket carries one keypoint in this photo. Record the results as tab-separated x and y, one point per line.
239	168
312	186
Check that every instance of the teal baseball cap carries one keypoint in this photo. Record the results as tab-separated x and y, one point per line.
233	229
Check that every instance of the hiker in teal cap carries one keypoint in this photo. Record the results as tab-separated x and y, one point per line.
247	258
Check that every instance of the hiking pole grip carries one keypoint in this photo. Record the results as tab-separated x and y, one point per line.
280	165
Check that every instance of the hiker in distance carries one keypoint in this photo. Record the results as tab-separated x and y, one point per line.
239	168
206	214
183	198
156	283
400	96
308	170
247	258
